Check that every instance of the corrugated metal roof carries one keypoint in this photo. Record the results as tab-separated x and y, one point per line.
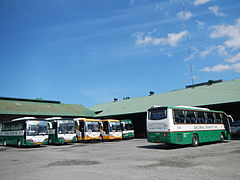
43	109
217	93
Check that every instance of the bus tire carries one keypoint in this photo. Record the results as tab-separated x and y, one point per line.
19	143
222	138
195	140
4	142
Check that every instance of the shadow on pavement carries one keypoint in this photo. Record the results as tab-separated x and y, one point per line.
163	147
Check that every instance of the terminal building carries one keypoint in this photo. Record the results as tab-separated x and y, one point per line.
11	108
216	95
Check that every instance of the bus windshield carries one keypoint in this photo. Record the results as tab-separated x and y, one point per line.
157	114
66	126
127	126
115	126
36	128
92	126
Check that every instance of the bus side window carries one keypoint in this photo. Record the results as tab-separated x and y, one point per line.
179	116
191	117
187	120
210	118
217	119
200	117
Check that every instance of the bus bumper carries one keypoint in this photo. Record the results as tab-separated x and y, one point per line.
159	137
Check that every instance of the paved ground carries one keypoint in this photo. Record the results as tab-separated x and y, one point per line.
131	159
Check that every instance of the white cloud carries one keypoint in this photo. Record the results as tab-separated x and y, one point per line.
200	2
206	52
230	31
222	51
221	68
171	40
184	15
200	24
215	11
233	59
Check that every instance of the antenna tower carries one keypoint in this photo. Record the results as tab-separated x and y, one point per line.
187	40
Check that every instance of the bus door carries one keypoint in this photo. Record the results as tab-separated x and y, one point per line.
227	123
82	129
25	127
106	128
55	128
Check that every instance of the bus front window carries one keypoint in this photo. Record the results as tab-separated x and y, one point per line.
115	126
92	126
95	126
36	128
112	127
66	126
118	126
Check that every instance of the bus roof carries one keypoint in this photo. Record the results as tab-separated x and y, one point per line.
24	119
126	120
111	120
84	119
185	108
54	118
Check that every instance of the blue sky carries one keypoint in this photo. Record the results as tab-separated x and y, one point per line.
89	52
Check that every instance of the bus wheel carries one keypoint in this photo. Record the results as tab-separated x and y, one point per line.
195	141
222	137
4	142
19	143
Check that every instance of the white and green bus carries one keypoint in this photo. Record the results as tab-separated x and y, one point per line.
127	128
61	130
26	131
186	125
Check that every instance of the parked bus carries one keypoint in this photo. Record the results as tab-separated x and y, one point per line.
61	130
186	125
127	128
110	129
26	131
87	129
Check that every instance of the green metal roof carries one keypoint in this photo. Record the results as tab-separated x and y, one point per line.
15	107
217	93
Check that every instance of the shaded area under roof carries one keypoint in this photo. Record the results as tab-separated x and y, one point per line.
217	93
15	107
